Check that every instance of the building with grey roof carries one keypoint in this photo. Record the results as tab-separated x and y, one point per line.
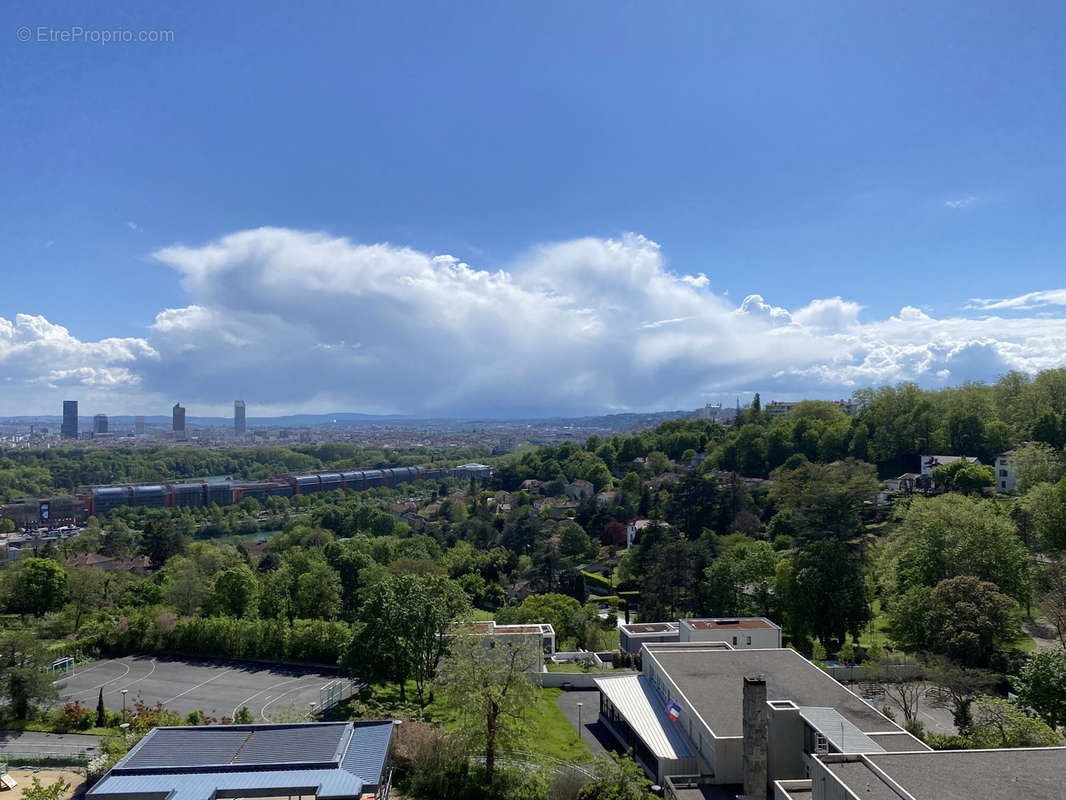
336	760
1019	774
739	716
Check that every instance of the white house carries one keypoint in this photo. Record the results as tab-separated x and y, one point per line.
1006	480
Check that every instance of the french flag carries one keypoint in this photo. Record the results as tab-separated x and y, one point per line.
673	711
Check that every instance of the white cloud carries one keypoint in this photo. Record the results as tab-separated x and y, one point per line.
133	226
305	321
41	360
1023	302
965	201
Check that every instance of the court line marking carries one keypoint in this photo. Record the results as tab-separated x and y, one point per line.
262	711
245	701
138	680
197	686
105	683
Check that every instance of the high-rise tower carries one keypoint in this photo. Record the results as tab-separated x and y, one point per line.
100	423
69	429
178	422
239	426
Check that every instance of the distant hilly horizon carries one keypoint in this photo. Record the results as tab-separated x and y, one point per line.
622	419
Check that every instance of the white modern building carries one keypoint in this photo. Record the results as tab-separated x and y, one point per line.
741	633
738	632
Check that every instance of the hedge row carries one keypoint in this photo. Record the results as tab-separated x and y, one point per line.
150	631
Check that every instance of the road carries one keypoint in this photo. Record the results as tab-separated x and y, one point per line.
592	731
37	743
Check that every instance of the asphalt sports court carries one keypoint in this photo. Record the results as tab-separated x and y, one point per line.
217	688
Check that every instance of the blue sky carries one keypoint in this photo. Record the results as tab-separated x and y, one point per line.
894	157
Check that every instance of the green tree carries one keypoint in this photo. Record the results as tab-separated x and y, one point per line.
963	476
23	679
1041	686
825	500
565	614
318	593
616	778
243	716
57	790
85	591
486	683
160	540
825	594
234	592
952	535
740	582
101	711
955	687
964	618
1036	462
1000	723
40	587
406	619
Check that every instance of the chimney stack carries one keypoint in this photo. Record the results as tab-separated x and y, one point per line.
756	777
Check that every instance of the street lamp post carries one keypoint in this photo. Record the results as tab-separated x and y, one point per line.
579	705
124	703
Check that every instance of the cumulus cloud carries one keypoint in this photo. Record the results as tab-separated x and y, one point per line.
300	320
38	358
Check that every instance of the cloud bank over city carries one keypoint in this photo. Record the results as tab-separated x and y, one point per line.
303	321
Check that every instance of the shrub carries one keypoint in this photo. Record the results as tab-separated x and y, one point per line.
73	717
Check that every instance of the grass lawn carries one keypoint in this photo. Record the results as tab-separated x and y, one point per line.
876	632
549	733
546	730
47	727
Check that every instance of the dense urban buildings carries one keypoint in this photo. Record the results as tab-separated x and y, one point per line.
239	418
69	429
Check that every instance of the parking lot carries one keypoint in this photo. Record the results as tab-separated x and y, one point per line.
217	688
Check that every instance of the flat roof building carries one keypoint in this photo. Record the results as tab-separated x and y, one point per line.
335	760
738	632
1018	774
714	696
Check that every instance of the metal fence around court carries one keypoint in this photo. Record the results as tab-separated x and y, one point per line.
334	693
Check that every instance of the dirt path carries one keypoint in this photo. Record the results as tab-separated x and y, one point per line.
1042	632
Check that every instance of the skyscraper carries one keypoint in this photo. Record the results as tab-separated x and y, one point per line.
100	423
238	418
138	425
69	429
179	421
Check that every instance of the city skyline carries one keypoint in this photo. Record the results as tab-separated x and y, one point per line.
530	224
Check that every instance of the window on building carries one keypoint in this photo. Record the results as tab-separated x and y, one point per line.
749	641
734	641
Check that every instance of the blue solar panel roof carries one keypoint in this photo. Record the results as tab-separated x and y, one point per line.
333	759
